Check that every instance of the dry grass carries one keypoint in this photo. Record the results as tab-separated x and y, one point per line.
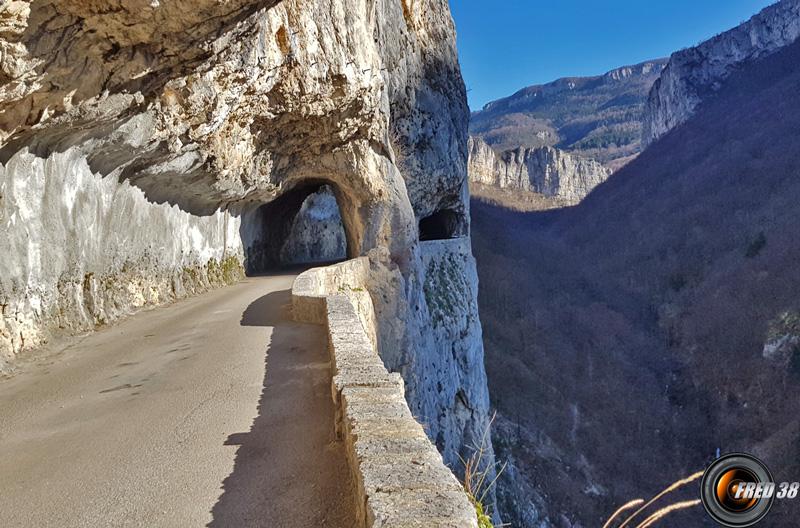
663	511
622	509
401	150
480	478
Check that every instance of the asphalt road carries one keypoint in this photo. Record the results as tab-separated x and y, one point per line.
214	411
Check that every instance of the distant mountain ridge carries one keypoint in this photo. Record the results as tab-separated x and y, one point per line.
597	117
694	73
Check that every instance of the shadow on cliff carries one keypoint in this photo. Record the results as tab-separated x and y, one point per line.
288	471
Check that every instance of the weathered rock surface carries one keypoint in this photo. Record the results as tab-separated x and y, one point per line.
693	74
544	170
145	139
79	250
316	234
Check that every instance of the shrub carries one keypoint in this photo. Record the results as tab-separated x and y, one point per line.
756	245
677	281
794	361
476	478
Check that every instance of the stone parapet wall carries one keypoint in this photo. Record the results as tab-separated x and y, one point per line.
401	480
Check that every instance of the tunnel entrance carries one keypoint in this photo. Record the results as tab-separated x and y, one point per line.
441	225
302	226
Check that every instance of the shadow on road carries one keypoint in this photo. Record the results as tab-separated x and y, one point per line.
288	471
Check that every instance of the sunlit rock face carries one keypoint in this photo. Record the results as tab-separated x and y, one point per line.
316	234
693	74
147	140
80	250
544	170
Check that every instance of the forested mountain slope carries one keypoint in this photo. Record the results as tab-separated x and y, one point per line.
630	337
597	117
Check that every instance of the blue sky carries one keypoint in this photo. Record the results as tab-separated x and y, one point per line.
505	45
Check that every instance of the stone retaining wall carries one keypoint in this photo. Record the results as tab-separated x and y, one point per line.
401	480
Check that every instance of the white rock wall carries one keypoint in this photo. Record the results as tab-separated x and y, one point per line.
80	250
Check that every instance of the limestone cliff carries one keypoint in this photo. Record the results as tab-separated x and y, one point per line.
544	170
147	147
691	75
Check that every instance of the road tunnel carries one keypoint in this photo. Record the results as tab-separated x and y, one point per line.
302	226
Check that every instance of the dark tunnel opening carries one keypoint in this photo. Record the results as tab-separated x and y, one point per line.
441	225
302	226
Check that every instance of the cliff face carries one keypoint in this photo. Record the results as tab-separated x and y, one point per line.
151	148
543	170
693	74
597	117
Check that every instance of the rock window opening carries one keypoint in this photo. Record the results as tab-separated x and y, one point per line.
441	225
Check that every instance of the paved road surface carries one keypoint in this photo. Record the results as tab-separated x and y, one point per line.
213	411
